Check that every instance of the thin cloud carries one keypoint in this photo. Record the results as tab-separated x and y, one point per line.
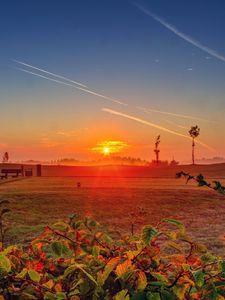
67	133
150	110
134	118
179	33
47	72
74	86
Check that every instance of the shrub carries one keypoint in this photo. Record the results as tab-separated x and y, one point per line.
79	259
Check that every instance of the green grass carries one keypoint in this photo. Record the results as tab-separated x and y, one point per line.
37	202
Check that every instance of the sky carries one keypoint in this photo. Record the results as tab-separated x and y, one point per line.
136	69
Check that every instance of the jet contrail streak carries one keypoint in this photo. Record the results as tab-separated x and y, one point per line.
149	110
182	35
74	86
178	125
44	71
108	110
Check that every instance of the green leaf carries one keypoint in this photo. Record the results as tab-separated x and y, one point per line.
153	296
35	276
174	222
57	248
141	281
95	251
179	224
60	249
5	263
222	265
92	223
29	296
49	296
22	274
88	275
138	296
179	291
62	226
74	293
61	296
218	187
103	275
199	278
122	295
148	233
159	277
165	295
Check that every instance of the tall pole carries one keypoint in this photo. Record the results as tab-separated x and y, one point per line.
157	155
193	151
156	150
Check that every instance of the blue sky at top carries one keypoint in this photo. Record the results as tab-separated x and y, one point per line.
117	50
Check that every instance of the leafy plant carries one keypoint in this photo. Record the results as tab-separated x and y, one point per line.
137	217
201	181
78	259
3	228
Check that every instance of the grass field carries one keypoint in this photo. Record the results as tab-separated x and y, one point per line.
36	202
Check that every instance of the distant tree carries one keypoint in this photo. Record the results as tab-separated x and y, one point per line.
156	150
194	133
5	157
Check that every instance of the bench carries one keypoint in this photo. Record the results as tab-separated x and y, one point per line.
12	172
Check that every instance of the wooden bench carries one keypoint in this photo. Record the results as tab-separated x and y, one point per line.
12	172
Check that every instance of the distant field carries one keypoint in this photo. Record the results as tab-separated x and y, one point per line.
37	202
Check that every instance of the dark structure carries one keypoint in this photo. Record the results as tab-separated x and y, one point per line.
39	170
10	172
29	172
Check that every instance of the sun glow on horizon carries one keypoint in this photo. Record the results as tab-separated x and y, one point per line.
109	147
106	151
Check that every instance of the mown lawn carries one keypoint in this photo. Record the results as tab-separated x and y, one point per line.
36	202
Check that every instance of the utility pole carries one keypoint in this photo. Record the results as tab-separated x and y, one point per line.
156	150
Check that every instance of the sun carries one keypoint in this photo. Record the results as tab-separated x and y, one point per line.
109	147
106	150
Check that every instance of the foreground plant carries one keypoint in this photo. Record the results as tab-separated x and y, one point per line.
80	260
3	227
201	181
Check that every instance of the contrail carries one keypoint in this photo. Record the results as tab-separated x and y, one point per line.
179	33
44	71
178	125
108	110
74	86
149	110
